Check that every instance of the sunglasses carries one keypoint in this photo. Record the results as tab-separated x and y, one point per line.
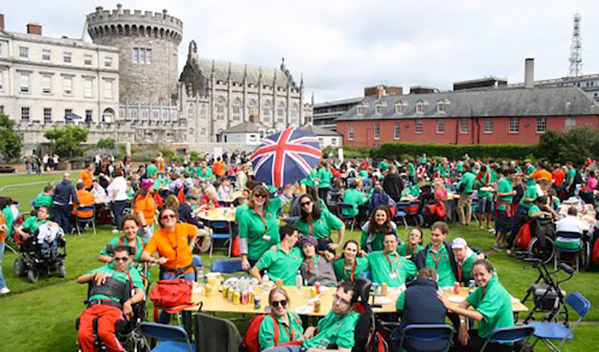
260	196
121	260
168	216
305	203
282	302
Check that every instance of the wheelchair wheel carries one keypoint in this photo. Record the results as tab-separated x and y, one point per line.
544	254
62	269
586	255
33	275
19	267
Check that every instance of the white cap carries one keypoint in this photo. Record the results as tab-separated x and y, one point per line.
459	242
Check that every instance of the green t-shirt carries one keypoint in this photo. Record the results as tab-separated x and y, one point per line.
334	329
460	166
32	224
345	274
535	209
324	176
43	200
287	333
495	305
310	180
390	268
158	183
403	250
504	186
205	172
441	262
467	268
8	221
355	198
531	192
570	175
139	247
251	226
363	173
151	170
384	166
484	182
467	181
422	159
320	228
239	211
377	243
411	170
122	277
443	170
281	265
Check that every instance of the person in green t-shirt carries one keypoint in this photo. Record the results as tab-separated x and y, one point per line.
319	223
281	326
324	180
541	209
44	198
356	199
151	169
413	245
485	197
374	230
282	262
465	185
130	227
422	159
32	224
349	267
388	266
310	180
492	308
464	258
503	205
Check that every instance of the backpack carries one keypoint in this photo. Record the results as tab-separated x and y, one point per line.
366	335
595	255
171	295
524	237
250	341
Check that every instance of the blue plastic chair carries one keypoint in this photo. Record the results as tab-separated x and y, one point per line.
221	230
402	212
510	335
226	266
171	338
366	274
344	217
85	219
554	331
427	337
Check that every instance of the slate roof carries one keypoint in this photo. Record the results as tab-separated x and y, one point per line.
245	127
221	73
318	131
502	102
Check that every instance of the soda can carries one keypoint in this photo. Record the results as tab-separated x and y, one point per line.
384	288
456	287
230	294
312	292
257	303
252	295
225	292
237	297
317	305
279	282
245	297
317	286
208	290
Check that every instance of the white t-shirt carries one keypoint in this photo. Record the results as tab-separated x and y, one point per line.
569	224
117	190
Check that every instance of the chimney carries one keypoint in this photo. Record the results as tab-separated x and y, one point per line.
34	28
1	21
529	72
380	91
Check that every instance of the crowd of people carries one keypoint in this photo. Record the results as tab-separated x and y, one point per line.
309	239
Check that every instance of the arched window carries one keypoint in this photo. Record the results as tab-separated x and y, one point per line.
108	115
281	112
221	108
190	111
204	112
294	114
236	113
170	137
267	111
252	105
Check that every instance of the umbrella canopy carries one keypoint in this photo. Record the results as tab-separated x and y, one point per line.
285	157
70	116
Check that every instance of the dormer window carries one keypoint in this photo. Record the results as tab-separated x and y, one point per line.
442	106
378	109
399	107
420	107
361	110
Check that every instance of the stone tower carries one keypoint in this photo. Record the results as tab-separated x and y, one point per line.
148	44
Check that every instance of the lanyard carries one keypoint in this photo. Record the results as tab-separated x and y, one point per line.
391	262
288	330
310	227
409	249
436	259
312	263
460	272
263	218
353	270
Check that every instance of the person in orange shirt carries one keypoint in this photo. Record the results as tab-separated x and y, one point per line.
160	164
86	198
86	176
219	168
541	172
174	243
144	208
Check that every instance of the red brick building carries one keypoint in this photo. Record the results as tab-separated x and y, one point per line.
501	115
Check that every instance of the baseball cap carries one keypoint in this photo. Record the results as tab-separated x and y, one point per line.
459	243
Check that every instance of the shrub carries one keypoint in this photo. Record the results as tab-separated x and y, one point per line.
107	143
452	151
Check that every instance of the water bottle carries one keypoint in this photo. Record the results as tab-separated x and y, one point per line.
299	281
265	281
200	277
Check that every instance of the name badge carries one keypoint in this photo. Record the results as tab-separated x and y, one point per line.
393	275
266	238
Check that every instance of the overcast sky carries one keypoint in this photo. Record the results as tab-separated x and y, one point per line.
343	46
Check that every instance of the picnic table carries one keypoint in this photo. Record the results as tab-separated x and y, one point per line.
218	214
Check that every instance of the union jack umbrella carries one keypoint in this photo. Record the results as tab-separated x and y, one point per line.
285	157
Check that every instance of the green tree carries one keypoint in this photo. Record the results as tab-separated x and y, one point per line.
66	141
10	142
575	144
107	143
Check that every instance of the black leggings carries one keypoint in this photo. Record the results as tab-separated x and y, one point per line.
475	344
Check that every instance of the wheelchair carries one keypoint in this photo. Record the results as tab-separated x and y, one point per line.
542	241
33	263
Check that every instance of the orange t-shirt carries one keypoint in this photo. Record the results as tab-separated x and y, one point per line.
86	198
161	165
173	245
86	177
541	173
147	206
2	233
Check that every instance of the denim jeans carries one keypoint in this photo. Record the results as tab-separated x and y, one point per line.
2	282
117	208
61	216
47	246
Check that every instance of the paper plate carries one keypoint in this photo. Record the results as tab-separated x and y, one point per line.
382	300
304	309
457	299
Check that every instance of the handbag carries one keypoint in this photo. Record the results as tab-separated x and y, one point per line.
172	296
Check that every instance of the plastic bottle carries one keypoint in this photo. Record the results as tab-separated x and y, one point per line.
200	277
299	281
265	281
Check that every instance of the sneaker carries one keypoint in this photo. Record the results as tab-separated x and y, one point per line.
491	230
4	290
115	231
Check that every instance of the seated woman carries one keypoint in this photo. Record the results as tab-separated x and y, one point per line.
374	230
350	266
318	223
129	226
492	309
414	244
316	268
281	327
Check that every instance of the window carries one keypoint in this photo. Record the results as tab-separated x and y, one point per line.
440	126
221	103
396	128
46	55
204	112
418	126
281	109
142	56
67	57
514	125
203	132
24	52
47	84
236	113
1	109
1	81
361	110
87	60
108	115
294	117
464	126
190	110
350	132
25	113
420	107
377	131
570	123
108	89
24	82
266	111
88	116
1	49
252	111
148	56
67	86
135	55
108	61
441	107
47	115
378	109
399	107
88	88
541	124
488	126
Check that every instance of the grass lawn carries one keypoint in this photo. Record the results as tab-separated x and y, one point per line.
50	307
26	187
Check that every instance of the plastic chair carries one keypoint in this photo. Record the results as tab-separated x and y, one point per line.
421	336
510	335
575	251
226	266
85	219
172	338
221	230
366	274
344	217
402	212
554	331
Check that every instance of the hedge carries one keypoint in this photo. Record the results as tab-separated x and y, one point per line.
455	152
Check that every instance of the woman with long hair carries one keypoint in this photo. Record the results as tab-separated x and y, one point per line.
130	227
144	208
350	265
282	326
319	223
374	230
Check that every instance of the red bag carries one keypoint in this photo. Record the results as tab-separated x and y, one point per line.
441	212
158	200
595	256
171	295
235	251
524	237
250	341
